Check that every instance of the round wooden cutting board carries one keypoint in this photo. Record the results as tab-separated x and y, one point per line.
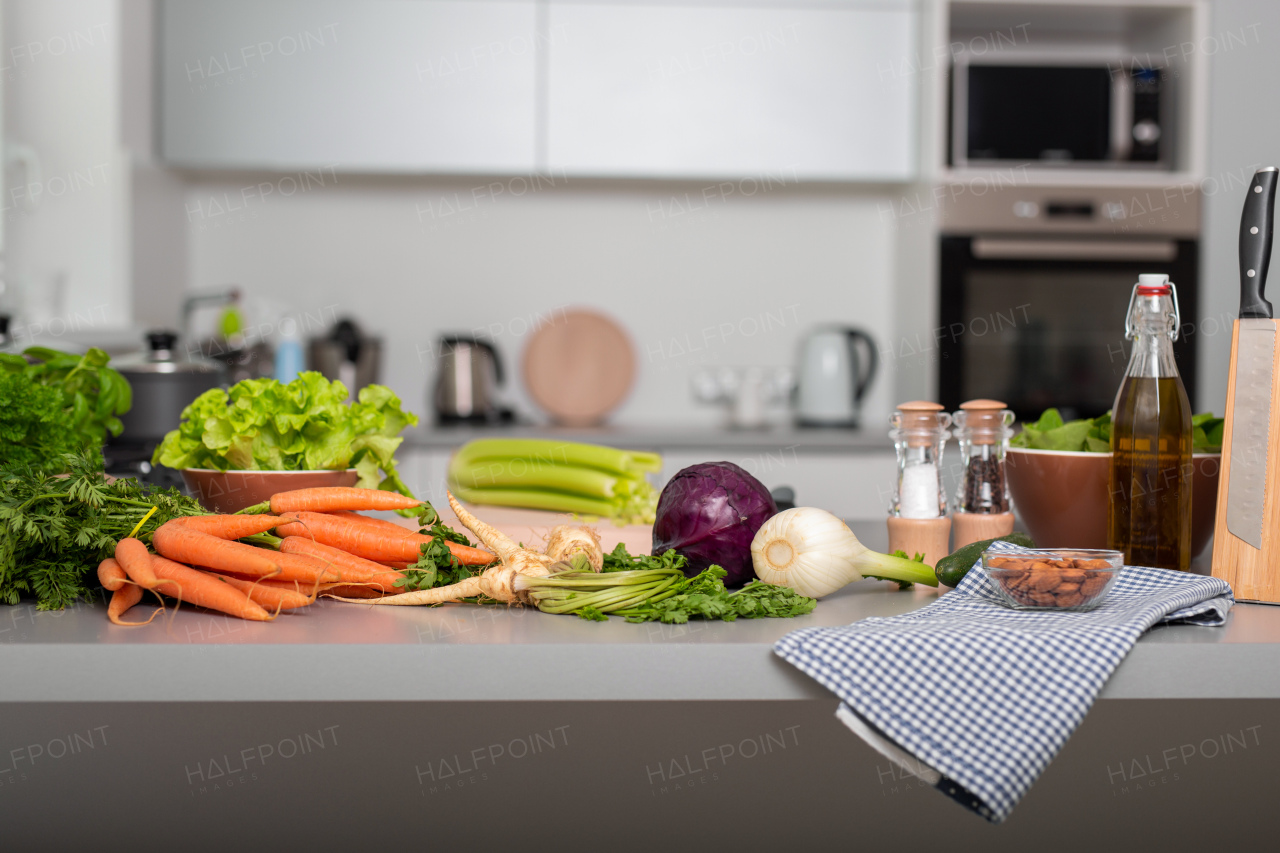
579	367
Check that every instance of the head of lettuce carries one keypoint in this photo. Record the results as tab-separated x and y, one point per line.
305	425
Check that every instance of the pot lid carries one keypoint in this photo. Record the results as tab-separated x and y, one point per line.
163	356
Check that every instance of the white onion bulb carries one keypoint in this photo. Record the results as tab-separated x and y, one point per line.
814	553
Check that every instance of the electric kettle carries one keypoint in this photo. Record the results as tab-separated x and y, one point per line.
467	380
837	365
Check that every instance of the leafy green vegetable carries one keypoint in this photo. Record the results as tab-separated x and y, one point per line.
33	431
306	425
437	566
619	560
655	589
705	597
1206	433
87	394
54	530
1050	433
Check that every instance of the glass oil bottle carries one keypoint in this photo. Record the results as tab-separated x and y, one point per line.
1150	488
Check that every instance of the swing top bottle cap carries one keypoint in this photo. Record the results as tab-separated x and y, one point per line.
1153	285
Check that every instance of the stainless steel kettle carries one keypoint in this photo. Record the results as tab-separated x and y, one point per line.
467	379
834	377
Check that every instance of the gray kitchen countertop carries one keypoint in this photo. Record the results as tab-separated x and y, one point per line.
349	652
666	438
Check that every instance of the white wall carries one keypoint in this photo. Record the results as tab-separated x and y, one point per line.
1244	133
698	273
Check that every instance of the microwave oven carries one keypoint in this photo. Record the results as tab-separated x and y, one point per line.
1063	113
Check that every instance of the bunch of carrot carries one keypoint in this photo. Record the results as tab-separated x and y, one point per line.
324	545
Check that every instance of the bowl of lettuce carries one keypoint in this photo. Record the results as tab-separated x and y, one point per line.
231	442
1059	476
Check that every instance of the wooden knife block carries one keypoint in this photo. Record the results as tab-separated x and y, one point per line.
1254	574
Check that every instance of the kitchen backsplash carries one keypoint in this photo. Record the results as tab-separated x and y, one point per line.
726	273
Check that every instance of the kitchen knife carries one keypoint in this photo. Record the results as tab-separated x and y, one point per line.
1255	359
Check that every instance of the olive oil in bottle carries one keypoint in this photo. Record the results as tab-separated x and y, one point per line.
1150	519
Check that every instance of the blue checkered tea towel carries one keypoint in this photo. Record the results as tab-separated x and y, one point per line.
924	688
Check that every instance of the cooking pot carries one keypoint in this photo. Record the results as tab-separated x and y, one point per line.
164	383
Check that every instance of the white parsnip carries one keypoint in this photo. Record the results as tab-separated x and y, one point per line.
567	542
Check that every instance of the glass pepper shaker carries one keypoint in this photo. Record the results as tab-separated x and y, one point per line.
918	522
982	507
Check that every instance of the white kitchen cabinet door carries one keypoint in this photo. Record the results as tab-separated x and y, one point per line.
770	93
444	86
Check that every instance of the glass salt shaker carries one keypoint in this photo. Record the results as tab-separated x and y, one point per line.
918	522
919	433
982	508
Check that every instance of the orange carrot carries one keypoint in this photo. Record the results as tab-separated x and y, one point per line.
134	558
270	597
228	526
125	597
339	497
350	568
357	538
178	541
192	585
349	590
110	575
398	565
290	569
389	527
124	593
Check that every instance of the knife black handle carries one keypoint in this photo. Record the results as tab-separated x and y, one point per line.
1255	243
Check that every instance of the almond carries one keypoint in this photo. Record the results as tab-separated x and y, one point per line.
1093	585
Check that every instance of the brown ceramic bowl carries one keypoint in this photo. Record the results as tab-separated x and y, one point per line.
231	491
1061	496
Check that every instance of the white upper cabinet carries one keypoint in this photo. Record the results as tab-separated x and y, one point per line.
782	90
806	91
354	85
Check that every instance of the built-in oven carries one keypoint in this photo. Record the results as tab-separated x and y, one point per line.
1034	286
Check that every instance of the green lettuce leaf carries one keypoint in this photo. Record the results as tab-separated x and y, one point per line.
305	425
1050	433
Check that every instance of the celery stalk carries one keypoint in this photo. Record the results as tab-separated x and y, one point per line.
553	452
538	499
526	474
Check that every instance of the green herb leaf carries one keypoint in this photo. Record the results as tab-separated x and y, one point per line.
54	530
436	566
619	560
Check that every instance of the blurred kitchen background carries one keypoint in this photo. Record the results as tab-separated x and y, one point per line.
693	201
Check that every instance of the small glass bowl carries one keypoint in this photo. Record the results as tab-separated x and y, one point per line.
1052	578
